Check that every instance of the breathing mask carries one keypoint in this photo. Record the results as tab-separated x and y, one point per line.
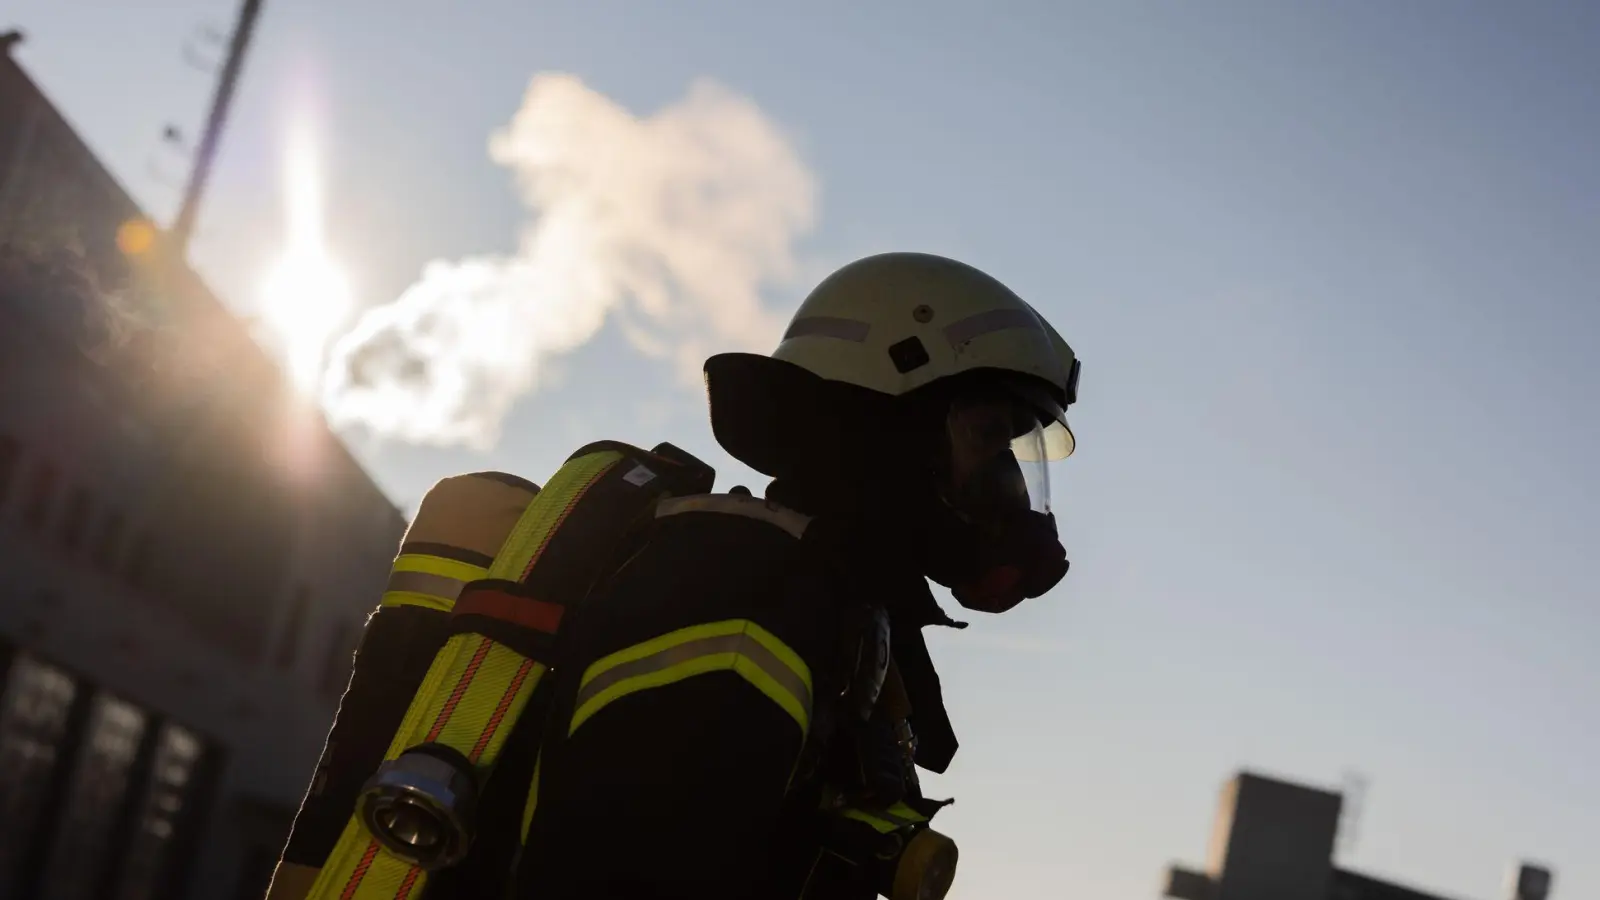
994	541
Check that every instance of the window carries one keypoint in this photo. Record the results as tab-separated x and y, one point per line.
75	519
294	623
34	714
36	504
104	552
85	835
169	796
10	455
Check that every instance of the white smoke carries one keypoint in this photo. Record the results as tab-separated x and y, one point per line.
672	224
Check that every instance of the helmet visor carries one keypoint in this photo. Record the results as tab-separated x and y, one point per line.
999	448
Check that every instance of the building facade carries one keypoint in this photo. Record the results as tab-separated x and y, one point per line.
189	554
1274	840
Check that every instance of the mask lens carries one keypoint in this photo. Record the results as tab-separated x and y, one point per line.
998	457
1033	459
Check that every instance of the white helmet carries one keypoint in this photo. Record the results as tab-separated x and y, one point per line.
897	322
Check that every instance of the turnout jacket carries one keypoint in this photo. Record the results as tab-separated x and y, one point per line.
696	726
684	741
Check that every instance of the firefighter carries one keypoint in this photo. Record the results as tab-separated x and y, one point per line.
624	685
745	700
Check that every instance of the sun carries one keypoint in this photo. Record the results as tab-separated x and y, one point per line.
305	296
305	299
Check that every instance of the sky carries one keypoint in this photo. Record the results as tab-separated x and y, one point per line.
1330	268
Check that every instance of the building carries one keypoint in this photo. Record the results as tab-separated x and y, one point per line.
1273	840
189	554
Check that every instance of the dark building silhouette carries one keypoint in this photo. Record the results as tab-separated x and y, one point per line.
188	554
1273	840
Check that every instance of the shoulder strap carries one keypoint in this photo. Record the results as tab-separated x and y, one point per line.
738	505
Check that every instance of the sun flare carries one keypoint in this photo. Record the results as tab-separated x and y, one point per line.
305	296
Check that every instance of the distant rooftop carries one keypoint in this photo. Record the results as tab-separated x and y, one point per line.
1274	840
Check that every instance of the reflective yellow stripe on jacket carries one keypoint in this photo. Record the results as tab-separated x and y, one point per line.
736	645
885	821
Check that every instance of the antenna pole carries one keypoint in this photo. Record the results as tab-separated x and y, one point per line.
183	225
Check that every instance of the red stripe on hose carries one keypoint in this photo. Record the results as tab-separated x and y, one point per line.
360	872
500	711
408	884
461	688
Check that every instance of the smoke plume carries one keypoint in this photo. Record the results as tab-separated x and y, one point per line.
668	225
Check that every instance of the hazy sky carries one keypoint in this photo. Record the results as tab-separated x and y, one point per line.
1331	268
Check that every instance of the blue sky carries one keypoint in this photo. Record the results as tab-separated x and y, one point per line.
1331	271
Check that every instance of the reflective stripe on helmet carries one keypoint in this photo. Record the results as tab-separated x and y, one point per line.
964	330
852	330
736	645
